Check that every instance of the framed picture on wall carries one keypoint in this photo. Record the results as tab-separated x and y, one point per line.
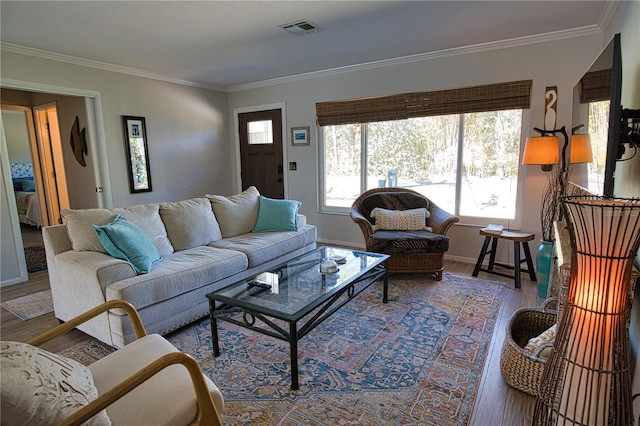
300	136
135	141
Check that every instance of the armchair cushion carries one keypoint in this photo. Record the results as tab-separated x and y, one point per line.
393	201
167	398
400	220
408	242
40	387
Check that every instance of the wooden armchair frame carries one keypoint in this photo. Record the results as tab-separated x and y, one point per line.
207	412
429	263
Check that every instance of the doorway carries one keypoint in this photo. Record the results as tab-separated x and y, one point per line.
51	162
89	189
27	183
261	152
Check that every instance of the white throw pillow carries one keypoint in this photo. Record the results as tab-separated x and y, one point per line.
236	214
40	387
400	220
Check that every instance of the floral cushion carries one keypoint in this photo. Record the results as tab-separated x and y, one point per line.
40	387
548	335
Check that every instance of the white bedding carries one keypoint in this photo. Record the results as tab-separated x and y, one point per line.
28	208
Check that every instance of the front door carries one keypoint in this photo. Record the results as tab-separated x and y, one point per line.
261	152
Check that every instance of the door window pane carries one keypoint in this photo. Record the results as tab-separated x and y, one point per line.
342	151
260	132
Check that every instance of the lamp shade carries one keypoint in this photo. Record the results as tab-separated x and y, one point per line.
587	379
541	150
580	149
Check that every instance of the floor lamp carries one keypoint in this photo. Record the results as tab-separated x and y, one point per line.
587	379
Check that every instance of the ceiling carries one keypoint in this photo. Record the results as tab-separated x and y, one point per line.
232	44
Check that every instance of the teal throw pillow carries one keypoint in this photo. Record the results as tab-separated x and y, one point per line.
124	240
277	215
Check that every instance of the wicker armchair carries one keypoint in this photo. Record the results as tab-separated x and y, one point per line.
410	251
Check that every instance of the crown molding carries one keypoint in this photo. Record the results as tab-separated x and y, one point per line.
595	29
607	14
465	50
44	54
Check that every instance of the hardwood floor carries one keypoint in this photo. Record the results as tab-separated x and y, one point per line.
496	403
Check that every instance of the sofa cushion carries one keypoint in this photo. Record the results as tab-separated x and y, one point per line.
408	242
400	220
40	387
190	223
276	215
263	247
393	201
178	273
124	240
144	216
236	214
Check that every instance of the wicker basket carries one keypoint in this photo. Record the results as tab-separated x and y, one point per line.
520	368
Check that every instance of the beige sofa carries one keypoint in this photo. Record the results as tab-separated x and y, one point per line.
204	243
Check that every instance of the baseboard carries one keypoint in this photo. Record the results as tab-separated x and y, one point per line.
336	243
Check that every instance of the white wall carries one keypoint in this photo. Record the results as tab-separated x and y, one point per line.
186	127
559	63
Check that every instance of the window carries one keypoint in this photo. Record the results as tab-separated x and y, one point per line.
260	132
598	130
466	163
459	147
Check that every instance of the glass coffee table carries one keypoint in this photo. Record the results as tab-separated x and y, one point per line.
290	300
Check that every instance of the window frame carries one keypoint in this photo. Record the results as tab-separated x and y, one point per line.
513	223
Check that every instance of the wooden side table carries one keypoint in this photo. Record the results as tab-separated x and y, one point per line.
517	238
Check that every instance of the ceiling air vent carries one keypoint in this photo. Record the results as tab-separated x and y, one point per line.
300	28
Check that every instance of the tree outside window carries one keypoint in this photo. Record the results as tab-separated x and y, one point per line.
466	163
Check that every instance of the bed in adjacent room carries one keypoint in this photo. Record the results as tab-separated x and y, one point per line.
26	197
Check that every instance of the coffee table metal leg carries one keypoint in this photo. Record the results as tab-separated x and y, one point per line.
293	341
385	287
214	328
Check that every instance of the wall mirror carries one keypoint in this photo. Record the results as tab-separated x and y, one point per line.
597	105
135	140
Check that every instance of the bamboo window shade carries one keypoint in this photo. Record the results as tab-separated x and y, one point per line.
595	86
490	97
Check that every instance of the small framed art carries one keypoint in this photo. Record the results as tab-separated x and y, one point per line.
300	136
135	141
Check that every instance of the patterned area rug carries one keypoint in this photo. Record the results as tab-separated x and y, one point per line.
31	306
36	258
416	360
